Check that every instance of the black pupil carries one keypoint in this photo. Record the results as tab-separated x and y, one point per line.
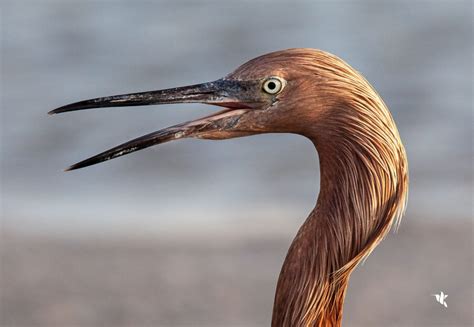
271	85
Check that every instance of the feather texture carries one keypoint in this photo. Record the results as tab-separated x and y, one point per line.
364	182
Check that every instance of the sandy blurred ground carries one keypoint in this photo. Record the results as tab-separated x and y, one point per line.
224	280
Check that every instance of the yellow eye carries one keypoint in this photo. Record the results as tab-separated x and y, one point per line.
273	85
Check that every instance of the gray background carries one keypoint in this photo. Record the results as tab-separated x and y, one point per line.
194	232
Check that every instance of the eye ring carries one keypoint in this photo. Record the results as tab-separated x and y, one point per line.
273	85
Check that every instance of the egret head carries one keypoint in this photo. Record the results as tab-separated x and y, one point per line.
291	91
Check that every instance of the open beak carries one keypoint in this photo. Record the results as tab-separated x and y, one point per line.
237	96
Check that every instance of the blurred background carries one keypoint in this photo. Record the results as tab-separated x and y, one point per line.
195	232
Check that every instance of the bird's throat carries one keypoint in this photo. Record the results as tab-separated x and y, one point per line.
363	189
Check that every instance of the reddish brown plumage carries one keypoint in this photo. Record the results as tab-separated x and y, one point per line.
364	179
364	172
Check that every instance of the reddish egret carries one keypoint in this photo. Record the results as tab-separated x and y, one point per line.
363	165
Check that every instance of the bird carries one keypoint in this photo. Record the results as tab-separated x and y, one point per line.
363	163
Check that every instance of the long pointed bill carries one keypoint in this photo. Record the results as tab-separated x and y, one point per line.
215	124
222	92
238	96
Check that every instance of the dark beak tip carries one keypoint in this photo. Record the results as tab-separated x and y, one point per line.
55	111
72	167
